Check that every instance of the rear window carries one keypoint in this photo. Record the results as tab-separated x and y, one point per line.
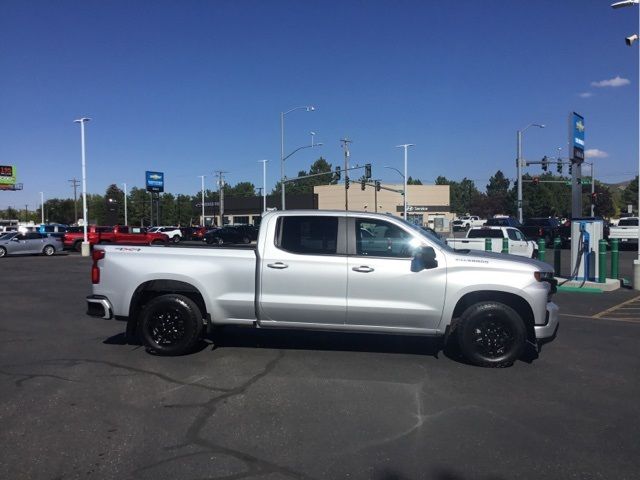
308	235
628	222
485	233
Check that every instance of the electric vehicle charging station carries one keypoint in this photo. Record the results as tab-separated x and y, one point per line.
585	235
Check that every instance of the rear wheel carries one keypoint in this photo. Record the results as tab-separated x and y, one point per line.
171	325
246	240
3	252
491	334
48	250
176	239
78	246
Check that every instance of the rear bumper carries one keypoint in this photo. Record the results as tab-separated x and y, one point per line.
548	330
99	306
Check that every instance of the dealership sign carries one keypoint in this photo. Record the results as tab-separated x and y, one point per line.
155	181
576	137
7	175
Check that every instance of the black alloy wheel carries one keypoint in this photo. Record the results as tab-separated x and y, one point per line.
491	334
171	324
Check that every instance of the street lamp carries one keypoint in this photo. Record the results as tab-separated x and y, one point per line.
85	241
519	162
308	108
630	40
406	147
264	184
126	222
404	192
42	207
202	193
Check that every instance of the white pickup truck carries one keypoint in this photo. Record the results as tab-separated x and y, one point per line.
467	222
476	240
626	231
339	271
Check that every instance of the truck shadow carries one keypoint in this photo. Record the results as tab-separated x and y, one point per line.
243	337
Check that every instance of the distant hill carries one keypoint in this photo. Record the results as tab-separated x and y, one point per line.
619	185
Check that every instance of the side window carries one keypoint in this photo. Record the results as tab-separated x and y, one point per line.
308	235
513	234
33	236
377	238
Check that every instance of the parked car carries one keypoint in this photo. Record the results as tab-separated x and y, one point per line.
198	233
121	234
174	233
546	229
13	243
466	222
476	240
220	236
313	270
248	231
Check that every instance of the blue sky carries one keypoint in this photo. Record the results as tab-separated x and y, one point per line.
190	87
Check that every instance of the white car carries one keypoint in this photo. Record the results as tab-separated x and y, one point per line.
174	233
516	241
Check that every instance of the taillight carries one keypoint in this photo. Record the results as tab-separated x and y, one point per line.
95	270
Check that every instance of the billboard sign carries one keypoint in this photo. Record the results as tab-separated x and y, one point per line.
154	181
7	175
576	137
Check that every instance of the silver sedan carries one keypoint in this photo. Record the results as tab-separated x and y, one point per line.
15	243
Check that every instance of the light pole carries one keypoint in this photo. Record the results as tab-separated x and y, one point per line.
308	108
630	40
519	162
404	192
202	193
126	219
406	147
264	184
85	242
42	207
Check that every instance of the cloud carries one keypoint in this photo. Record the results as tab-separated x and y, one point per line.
585	94
612	82
595	153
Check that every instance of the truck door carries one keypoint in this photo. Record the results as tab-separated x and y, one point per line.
303	273
517	243
382	290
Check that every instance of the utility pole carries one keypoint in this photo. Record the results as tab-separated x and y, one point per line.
221	194
345	146
126	219
202	193
26	213
75	183
42	207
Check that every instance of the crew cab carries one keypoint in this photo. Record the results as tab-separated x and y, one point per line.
516	242
121	234
327	270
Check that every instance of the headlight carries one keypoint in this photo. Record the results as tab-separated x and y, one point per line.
543	276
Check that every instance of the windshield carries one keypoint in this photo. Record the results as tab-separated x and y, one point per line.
441	242
628	222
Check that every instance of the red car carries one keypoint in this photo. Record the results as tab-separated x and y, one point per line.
120	234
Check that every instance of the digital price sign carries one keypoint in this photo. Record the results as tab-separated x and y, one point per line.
7	175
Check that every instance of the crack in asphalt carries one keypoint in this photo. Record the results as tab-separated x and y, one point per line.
32	376
255	465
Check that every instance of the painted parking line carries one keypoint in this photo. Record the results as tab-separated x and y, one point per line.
628	311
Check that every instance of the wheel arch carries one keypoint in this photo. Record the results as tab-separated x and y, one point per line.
518	303
154	288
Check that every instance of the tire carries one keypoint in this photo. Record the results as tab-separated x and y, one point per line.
491	334
246	240
78	246
170	325
208	240
176	239
3	252
157	242
48	251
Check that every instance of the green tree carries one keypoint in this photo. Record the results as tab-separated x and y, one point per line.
412	181
630	196
241	189
306	185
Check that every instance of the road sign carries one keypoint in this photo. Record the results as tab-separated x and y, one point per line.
585	181
7	175
576	137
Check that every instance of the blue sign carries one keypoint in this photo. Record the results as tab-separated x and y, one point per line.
577	137
155	181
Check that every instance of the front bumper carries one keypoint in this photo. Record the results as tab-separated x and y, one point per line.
548	330
99	306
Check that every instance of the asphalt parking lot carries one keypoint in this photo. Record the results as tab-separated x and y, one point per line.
77	402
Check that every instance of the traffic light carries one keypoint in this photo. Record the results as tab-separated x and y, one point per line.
570	169
367	172
545	162
377	185
337	174
559	166
363	184
594	198
346	182
536	180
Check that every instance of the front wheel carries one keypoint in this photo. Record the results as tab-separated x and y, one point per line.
171	325
491	334
176	239
3	252
48	250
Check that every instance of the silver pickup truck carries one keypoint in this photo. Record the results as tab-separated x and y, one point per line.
338	271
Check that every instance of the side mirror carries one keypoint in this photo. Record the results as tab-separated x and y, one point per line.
425	258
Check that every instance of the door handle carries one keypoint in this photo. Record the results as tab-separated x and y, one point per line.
363	269
277	265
